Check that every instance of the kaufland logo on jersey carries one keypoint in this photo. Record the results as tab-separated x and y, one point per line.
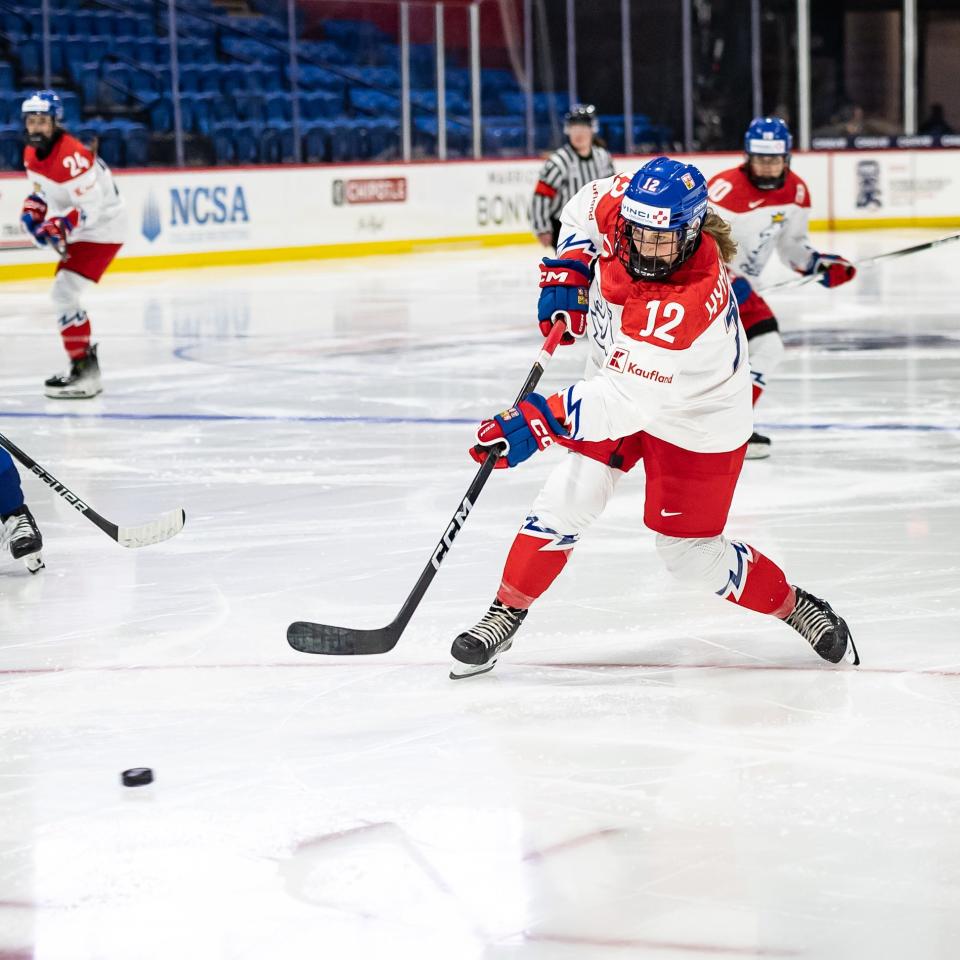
621	362
195	206
644	214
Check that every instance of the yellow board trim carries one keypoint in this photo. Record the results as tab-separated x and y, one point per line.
228	258
885	223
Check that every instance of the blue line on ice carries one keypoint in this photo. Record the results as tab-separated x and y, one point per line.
433	421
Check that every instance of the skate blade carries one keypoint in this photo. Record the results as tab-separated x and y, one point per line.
34	562
72	394
851	656
464	670
757	453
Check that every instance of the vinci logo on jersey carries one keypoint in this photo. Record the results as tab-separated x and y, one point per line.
195	207
370	190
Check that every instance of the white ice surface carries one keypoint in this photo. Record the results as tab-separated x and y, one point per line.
650	773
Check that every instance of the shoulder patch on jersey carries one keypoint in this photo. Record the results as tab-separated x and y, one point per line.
796	190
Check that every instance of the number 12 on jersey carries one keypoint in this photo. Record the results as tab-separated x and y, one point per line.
672	315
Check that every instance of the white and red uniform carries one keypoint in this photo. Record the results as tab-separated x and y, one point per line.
79	187
666	382
762	221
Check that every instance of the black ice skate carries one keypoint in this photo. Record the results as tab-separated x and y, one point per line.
22	536
82	382
478	648
758	447
827	633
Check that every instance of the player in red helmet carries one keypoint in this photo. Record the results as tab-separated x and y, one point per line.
75	209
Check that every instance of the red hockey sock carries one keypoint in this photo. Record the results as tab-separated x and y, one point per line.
758	584
75	331
532	565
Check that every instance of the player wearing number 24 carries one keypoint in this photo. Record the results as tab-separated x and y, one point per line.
76	210
641	276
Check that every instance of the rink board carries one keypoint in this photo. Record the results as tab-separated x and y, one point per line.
218	216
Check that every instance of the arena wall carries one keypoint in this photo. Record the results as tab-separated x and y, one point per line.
217	216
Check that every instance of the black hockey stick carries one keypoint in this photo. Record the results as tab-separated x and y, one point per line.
310	637
906	251
163	528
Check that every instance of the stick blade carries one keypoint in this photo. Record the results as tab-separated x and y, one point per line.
323	638
163	528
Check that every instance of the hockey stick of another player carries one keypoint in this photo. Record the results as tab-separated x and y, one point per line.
163	528
310	637
906	251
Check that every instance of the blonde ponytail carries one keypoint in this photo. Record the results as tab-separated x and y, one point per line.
719	229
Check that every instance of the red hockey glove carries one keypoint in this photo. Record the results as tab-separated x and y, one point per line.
520	431
564	288
56	229
34	210
833	269
33	214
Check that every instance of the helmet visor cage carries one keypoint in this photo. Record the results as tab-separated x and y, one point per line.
651	254
767	180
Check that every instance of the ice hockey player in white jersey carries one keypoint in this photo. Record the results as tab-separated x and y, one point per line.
667	383
75	209
767	206
580	160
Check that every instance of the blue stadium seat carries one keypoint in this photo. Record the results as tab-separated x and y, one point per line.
316	142
279	107
138	145
233	79
189	79
208	78
246	136
344	140
317	78
161	115
250	107
6	76
375	102
111	145
276	144
71	108
197	112
319	106
29	51
114	87
224	146
11	147
144	86
322	51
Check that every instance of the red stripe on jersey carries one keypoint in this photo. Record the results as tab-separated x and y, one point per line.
545	190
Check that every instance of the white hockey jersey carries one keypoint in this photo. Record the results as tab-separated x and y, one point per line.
71	178
666	357
764	220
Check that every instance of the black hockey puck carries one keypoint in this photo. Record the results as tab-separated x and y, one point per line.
137	777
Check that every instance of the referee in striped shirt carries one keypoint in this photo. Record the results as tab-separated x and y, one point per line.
566	170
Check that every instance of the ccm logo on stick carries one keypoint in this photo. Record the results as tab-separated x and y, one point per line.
446	541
